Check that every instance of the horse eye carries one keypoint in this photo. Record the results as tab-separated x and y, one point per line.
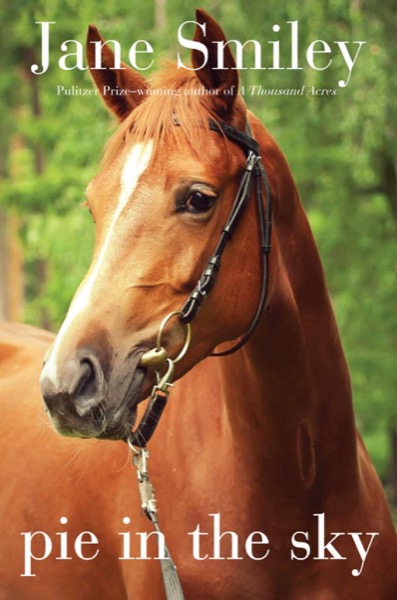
198	202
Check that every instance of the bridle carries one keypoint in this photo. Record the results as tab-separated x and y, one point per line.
254	175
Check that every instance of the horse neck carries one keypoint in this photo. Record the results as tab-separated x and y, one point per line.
287	392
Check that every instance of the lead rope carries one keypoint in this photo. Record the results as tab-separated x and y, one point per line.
138	439
172	584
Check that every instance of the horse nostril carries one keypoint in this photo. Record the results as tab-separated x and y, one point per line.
79	387
87	382
90	391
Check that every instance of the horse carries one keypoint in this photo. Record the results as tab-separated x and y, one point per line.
264	487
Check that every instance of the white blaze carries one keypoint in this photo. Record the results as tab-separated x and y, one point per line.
136	163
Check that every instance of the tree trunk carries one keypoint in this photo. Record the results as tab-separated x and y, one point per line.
11	268
15	270
3	266
389	179
160	14
393	465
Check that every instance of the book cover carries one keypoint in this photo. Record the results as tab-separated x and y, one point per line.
200	203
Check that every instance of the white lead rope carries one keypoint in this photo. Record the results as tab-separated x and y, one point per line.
172	584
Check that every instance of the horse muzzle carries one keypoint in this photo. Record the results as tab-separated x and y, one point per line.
83	399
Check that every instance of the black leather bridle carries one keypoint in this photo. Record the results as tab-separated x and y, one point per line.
254	174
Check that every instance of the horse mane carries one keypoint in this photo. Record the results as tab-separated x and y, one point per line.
174	97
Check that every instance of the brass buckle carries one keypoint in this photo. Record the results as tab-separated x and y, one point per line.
158	355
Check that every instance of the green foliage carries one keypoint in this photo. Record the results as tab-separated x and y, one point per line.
377	445
63	243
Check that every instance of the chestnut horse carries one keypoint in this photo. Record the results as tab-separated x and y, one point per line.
264	488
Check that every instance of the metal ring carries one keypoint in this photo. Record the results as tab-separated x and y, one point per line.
136	451
176	313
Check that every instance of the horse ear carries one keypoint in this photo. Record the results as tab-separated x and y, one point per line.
225	81
110	79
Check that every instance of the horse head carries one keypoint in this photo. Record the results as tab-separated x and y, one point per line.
164	191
